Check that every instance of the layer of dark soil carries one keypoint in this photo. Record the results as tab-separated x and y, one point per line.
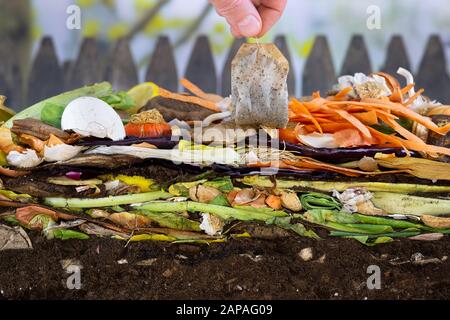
239	269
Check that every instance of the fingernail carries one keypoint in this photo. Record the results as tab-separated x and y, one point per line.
249	26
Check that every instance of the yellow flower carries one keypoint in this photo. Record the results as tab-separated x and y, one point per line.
91	28
117	31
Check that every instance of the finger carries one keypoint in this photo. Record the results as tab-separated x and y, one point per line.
236	33
242	16
270	12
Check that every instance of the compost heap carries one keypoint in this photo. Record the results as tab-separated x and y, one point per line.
368	160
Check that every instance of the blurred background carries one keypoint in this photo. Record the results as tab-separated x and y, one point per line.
26	21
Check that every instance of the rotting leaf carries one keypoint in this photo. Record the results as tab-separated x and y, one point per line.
298	228
51	114
428	237
371	242
171	220
315	200
5	112
151	237
435	222
129	220
13	238
68	234
203	194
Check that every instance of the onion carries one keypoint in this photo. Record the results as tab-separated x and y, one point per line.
409	79
215	117
368	164
74	175
317	140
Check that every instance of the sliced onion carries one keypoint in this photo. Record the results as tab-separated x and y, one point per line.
215	117
409	79
317	140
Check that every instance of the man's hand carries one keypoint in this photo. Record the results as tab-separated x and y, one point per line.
250	18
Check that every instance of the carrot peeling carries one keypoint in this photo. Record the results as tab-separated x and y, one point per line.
358	124
414	97
189	99
303	109
195	90
343	92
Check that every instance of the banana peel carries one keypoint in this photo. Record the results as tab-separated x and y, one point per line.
418	167
5	112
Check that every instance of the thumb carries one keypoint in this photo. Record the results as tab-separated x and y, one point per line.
242	16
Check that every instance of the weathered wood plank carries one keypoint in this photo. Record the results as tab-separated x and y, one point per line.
162	69
433	75
226	71
46	78
396	57
318	72
357	58
67	67
201	69
10	76
281	42
88	67
121	71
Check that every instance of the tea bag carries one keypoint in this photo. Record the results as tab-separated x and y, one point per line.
259	86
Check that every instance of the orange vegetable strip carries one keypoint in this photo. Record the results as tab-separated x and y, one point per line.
343	92
369	118
288	134
315	104
310	163
189	99
331	127
400	109
408	144
429	149
349	138
306	111
358	124
415	143
382	112
402	131
408	87
414	97
199	92
444	110
386	138
396	95
300	118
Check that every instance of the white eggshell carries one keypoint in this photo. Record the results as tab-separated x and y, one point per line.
26	159
92	117
61	152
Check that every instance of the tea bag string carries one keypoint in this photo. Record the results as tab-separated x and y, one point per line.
258	43
258	46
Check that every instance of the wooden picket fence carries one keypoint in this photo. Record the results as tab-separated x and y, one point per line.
48	76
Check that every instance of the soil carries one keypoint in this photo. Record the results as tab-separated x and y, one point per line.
244	268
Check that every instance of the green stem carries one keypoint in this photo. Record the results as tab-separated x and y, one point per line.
329	186
398	224
107	201
220	211
400	234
